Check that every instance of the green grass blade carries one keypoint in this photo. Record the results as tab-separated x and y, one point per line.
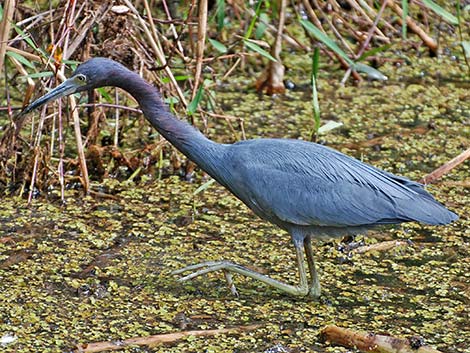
322	37
447	16
262	25
457	11
404	5
71	62
218	46
374	51
195	102
315	62
315	104
204	186
40	74
220	14
105	95
21	59
177	78
25	37
255	47
253	20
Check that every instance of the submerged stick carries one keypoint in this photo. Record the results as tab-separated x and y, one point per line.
444	169
157	339
383	246
372	343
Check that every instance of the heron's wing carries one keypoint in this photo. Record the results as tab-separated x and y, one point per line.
308	184
306	200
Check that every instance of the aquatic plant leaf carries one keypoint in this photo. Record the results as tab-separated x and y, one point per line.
204	186
372	73
330	125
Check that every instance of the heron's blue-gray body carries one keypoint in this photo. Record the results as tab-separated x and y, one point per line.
307	189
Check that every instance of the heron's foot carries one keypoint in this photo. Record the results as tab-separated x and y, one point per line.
206	267
230	267
203	268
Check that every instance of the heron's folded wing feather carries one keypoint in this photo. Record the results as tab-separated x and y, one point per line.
308	184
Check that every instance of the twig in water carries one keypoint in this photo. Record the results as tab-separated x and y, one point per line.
372	343
444	169
157	339
382	246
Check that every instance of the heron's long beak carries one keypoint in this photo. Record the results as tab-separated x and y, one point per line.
66	88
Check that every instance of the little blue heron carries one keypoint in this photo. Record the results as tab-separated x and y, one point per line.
307	189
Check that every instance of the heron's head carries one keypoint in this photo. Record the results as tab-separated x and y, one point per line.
94	73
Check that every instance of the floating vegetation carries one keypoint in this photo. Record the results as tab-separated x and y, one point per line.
98	268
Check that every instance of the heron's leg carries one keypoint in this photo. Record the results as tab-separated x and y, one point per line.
314	288
206	267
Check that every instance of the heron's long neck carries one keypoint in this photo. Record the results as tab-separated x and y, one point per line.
179	133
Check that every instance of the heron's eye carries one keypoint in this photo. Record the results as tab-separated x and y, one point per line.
81	78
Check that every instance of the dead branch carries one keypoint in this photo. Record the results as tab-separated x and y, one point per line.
444	169
365	16
382	246
85	26
372	343
5	24
201	40
158	339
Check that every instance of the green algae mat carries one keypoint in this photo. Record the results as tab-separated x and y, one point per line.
99	267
